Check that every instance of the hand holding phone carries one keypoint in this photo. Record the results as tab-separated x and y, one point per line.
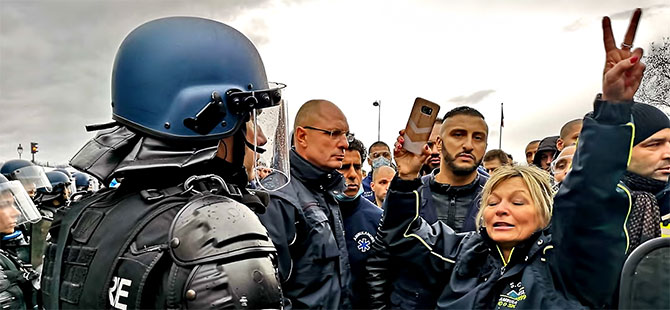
419	125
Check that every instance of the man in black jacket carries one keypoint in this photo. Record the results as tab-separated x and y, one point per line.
304	220
450	197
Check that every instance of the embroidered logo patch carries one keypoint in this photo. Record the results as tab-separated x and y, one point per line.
511	299
363	241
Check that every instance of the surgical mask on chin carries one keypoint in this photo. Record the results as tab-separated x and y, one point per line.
380	161
340	196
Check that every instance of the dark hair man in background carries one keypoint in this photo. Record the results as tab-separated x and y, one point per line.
494	159
361	218
531	149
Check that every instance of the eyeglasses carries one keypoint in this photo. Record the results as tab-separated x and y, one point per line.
561	164
334	134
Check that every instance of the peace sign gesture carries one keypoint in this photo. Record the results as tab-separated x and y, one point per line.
623	70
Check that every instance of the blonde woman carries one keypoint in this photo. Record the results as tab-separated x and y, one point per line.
505	264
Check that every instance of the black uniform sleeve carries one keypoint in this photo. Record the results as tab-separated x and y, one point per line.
377	273
590	209
410	239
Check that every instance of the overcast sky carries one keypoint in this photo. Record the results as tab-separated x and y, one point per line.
543	59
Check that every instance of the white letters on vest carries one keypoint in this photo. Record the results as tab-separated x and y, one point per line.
116	292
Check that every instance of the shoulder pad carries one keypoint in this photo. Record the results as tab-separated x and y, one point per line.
215	227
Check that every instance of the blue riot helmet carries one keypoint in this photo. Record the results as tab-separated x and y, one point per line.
61	188
31	176
16	206
191	79
82	181
73	187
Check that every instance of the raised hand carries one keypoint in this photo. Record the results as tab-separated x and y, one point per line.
409	164
623	69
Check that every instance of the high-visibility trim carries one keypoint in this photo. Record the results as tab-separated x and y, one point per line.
630	206
549	247
503	256
407	235
632	140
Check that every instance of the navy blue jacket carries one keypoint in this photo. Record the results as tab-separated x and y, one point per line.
305	224
367	189
361	219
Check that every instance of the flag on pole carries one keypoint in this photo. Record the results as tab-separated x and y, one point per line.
502	116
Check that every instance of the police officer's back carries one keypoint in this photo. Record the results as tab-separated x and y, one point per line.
180	231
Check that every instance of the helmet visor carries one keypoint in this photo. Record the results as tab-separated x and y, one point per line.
271	147
32	178
16	207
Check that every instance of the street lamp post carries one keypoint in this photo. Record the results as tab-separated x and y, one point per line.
378	104
19	150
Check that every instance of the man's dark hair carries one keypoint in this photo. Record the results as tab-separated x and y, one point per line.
439	120
464	110
565	130
378	143
532	142
497	154
357	145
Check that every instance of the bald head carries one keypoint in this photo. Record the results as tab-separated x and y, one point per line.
314	110
320	134
571	127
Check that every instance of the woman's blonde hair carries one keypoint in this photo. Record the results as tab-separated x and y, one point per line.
537	181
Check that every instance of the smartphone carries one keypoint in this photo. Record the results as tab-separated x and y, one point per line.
420	124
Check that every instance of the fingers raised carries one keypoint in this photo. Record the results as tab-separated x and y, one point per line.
608	37
632	29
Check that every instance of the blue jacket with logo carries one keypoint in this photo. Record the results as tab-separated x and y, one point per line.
361	219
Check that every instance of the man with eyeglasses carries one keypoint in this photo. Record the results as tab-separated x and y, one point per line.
304	220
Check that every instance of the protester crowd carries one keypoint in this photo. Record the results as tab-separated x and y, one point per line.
191	215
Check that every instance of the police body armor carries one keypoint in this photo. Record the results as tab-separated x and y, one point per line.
16	291
176	248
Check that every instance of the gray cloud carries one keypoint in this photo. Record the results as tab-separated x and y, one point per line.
473	98
56	59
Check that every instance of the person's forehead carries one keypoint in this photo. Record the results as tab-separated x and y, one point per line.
330	117
511	186
570	150
492	161
384	172
532	146
466	122
663	134
352	156
379	148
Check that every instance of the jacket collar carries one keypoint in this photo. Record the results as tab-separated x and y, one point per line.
446	188
523	251
312	176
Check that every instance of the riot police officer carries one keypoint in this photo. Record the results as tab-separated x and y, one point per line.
31	176
16	208
180	231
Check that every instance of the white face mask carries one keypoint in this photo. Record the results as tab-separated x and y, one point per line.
380	161
340	196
